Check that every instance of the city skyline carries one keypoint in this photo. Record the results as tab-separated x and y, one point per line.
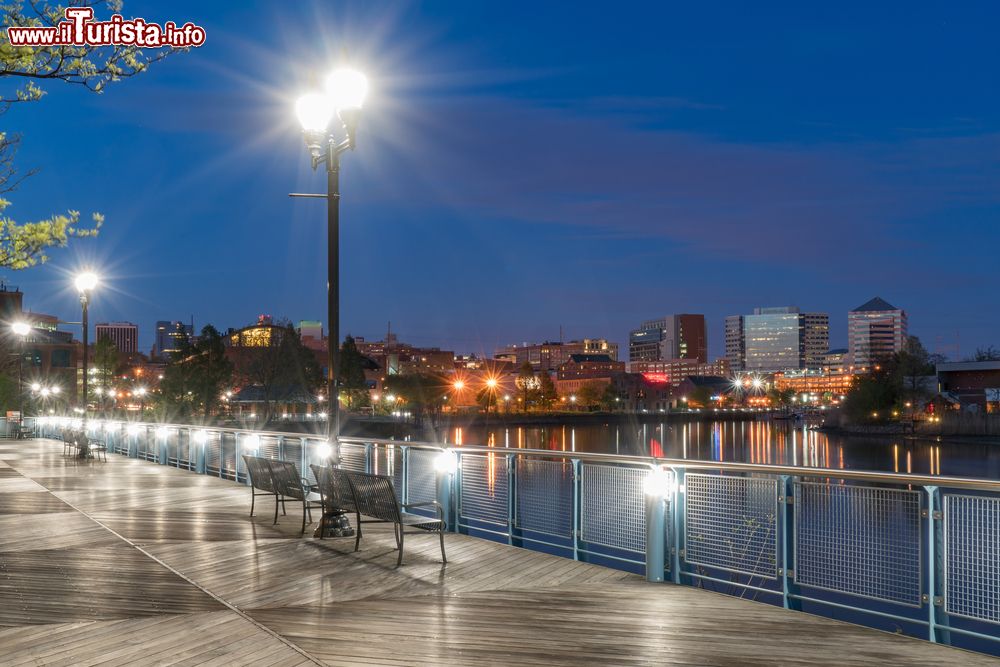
720	169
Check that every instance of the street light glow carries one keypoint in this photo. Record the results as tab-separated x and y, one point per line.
491	383
314	111
20	328
458	385
85	282
346	88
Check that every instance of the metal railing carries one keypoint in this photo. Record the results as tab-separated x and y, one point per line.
914	554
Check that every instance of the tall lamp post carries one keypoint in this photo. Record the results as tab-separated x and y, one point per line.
345	93
85	283
21	329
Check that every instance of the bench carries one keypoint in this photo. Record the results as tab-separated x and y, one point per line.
77	442
337	500
374	496
280	479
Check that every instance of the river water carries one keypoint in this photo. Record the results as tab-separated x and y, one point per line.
778	442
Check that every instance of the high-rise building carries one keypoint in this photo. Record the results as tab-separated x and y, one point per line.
124	335
682	336
735	350
875	331
780	339
171	338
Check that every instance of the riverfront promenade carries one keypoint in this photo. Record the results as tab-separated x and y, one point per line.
129	562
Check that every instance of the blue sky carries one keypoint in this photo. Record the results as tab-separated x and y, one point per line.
522	167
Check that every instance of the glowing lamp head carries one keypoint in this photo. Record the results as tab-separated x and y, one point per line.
251	442
491	383
20	328
446	462
200	437
85	282
324	450
458	385
35	386
314	112
346	89
659	483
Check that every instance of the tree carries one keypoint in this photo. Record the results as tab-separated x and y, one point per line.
547	394
93	67
420	393
106	362
211	371
610	399
528	383
589	396
284	370
988	353
353	384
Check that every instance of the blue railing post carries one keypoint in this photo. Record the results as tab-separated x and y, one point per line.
935	568
787	508
511	497
368	457
577	509
199	465
656	525
405	476
161	448
677	515
445	474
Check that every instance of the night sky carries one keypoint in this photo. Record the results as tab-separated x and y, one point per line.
525	167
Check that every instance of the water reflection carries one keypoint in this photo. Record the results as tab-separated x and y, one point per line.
779	443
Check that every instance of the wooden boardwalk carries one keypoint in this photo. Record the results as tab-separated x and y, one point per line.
132	563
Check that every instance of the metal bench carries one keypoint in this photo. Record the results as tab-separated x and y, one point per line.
375	497
77	442
337	499
280	479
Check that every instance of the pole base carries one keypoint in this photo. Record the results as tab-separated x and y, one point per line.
335	524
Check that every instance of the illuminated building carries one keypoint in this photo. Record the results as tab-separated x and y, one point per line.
673	371
735	351
815	382
171	338
971	383
875	331
311	333
682	336
780	339
551	355
124	336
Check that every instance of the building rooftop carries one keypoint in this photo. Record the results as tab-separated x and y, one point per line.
595	358
878	304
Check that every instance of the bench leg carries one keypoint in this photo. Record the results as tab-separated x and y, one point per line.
444	559
253	499
399	544
357	540
276	502
304	509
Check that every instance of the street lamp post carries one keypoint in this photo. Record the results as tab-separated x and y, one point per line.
21	329
345	93
85	283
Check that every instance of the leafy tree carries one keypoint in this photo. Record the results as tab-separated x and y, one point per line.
589	396
353	384
211	371
283	369
528	383
93	67
875	393
106	362
610	400
421	394
547	394
780	397
700	397
988	353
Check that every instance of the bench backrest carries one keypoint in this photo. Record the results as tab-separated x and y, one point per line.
260	473
375	495
334	487
287	481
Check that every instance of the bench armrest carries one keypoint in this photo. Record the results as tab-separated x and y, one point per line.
430	503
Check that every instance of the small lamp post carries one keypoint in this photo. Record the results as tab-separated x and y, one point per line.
21	330
85	283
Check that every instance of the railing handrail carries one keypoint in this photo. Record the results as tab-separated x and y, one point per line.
697	464
871	476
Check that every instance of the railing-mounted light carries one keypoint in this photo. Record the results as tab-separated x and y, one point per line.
446	462
200	437
324	450
162	432
659	483
251	442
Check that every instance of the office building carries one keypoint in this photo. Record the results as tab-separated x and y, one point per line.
171	338
780	339
124	335
875	331
735	350
682	336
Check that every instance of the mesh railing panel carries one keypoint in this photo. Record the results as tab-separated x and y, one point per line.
730	523
421	476
613	508
972	557
859	540
352	457
268	448
544	498
485	491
